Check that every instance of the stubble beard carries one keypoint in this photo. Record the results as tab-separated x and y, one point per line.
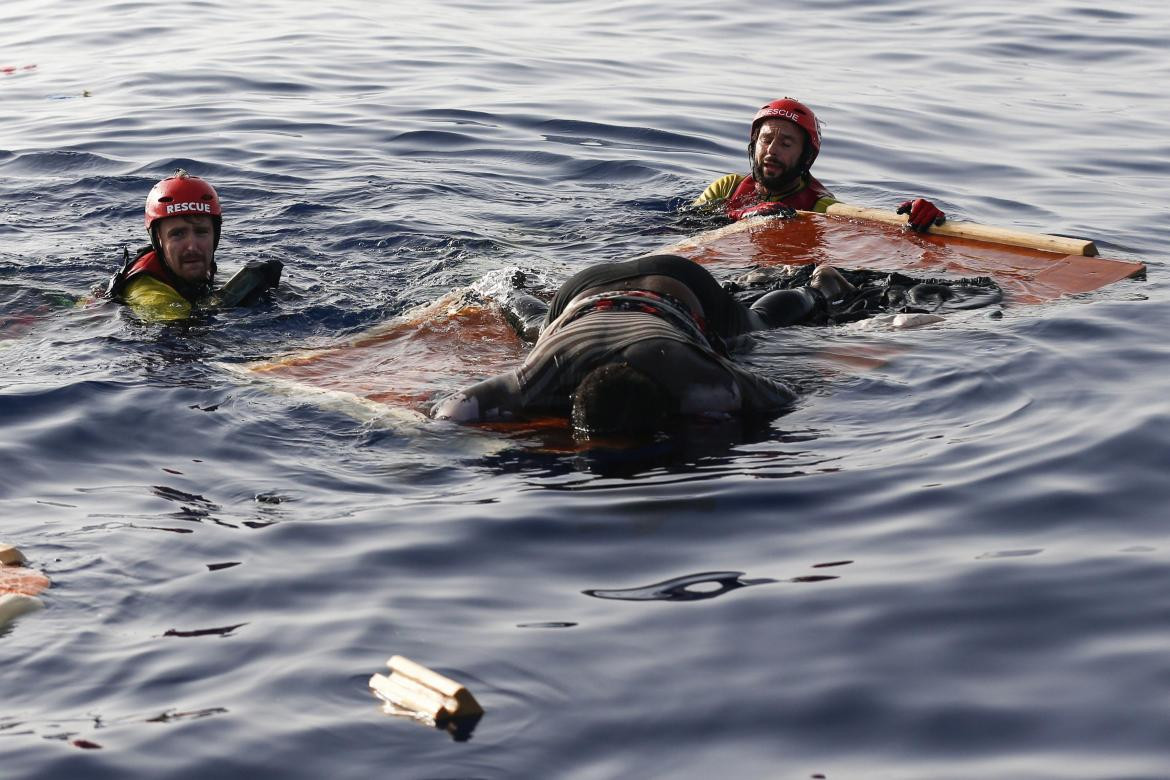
774	183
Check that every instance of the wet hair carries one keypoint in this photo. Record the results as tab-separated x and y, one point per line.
616	399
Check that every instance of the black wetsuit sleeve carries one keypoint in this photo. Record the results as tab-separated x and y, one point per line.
780	308
525	314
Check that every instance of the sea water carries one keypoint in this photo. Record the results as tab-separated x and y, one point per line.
950	564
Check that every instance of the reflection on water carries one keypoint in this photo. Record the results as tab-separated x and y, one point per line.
693	587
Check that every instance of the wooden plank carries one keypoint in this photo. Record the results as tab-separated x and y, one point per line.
421	691
1061	245
1028	275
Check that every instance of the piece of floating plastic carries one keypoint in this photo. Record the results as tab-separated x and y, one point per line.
18	585
13	605
413	690
17	579
14	577
902	321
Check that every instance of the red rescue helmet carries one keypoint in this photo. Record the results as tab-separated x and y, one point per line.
794	111
182	195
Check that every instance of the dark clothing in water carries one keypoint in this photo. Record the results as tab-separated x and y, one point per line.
600	329
875	292
682	350
723	314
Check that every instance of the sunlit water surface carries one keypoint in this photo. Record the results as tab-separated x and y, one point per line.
231	564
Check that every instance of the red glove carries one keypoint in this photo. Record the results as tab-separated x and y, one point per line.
922	213
762	210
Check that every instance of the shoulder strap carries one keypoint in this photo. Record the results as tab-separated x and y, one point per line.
118	281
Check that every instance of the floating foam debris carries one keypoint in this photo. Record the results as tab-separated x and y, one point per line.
18	585
499	283
10	555
13	605
15	579
896	322
18	579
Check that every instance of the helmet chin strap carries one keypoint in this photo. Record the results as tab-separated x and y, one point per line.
155	243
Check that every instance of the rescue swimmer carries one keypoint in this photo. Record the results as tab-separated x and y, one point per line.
783	144
624	348
173	277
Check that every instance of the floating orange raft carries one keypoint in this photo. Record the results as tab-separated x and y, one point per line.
1030	267
398	366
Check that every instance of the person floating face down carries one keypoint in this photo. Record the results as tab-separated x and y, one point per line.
625	347
784	142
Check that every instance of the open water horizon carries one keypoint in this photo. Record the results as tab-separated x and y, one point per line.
948	565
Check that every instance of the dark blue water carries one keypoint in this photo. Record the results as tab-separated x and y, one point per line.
231	564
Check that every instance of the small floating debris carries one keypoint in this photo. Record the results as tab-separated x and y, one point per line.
217	631
413	690
172	715
1009	554
19	586
814	578
897	321
13	605
22	581
692	587
15	578
10	555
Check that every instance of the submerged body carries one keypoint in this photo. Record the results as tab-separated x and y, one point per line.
665	318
